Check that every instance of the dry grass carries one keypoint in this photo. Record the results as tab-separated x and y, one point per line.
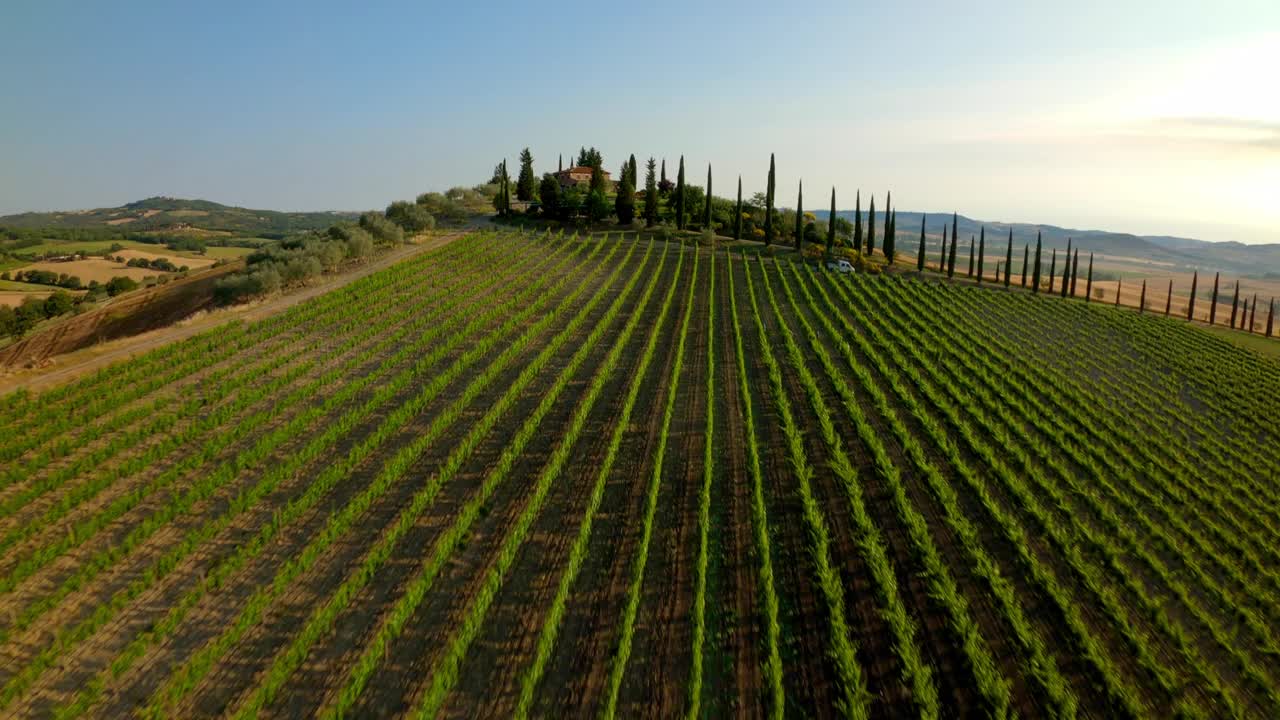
175	258
94	268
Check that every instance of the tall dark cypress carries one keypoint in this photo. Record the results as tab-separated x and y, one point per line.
1119	286
920	253
1066	273
982	251
1008	259
1053	268
1168	302
680	195
1253	317
1075	271
890	237
663	179
951	253
888	224
1142	299
800	217
768	205
1035	272
1191	304
706	211
1025	251
831	223
971	257
1244	317
1213	301
871	228
857	222
737	213
1235	305
1271	316
1088	281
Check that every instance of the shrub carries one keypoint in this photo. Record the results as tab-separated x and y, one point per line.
412	217
383	230
117	285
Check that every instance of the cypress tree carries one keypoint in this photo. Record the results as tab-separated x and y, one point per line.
525	182
1168	302
942	258
1142	300
857	222
971	258
737	213
891	240
768	205
1271	316
560	163
664	172
624	203
1008	259
633	168
1075	271
888	224
680	195
1066	273
1244	317
982	251
951	253
920	253
1235	305
1213	301
871	228
1088	282
1119	285
1253	318
1035	273
506	190
706	206
831	223
650	195
800	217
1191	304
1025	250
1053	268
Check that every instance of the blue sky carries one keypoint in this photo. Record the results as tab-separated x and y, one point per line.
1149	117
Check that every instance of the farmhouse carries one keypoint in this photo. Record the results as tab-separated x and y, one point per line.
580	175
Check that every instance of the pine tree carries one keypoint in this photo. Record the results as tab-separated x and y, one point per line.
597	181
680	195
1035	272
951	253
525	182
737	214
1008	259
768	205
650	195
1213	300
1088	282
982	251
1075	271
1142	299
831	223
919	255
871	228
706	212
971	257
857	221
1235	305
1168	301
800	217
1025	250
890	237
1191	304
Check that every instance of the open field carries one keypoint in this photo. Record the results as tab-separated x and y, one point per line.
559	477
14	298
192	260
94	268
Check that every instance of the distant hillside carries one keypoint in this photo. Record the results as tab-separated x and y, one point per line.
163	213
1180	253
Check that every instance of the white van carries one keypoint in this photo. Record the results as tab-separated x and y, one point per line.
840	266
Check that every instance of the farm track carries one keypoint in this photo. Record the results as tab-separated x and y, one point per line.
554	476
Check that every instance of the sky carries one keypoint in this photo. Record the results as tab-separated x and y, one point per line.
1157	117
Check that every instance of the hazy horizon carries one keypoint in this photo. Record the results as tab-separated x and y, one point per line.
1002	112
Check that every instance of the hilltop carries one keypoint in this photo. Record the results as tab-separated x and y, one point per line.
166	213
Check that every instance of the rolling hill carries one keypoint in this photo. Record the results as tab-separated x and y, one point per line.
165	213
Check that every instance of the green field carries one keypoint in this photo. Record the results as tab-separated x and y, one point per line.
14	286
540	475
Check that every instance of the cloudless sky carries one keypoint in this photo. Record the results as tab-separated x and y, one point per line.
1154	117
